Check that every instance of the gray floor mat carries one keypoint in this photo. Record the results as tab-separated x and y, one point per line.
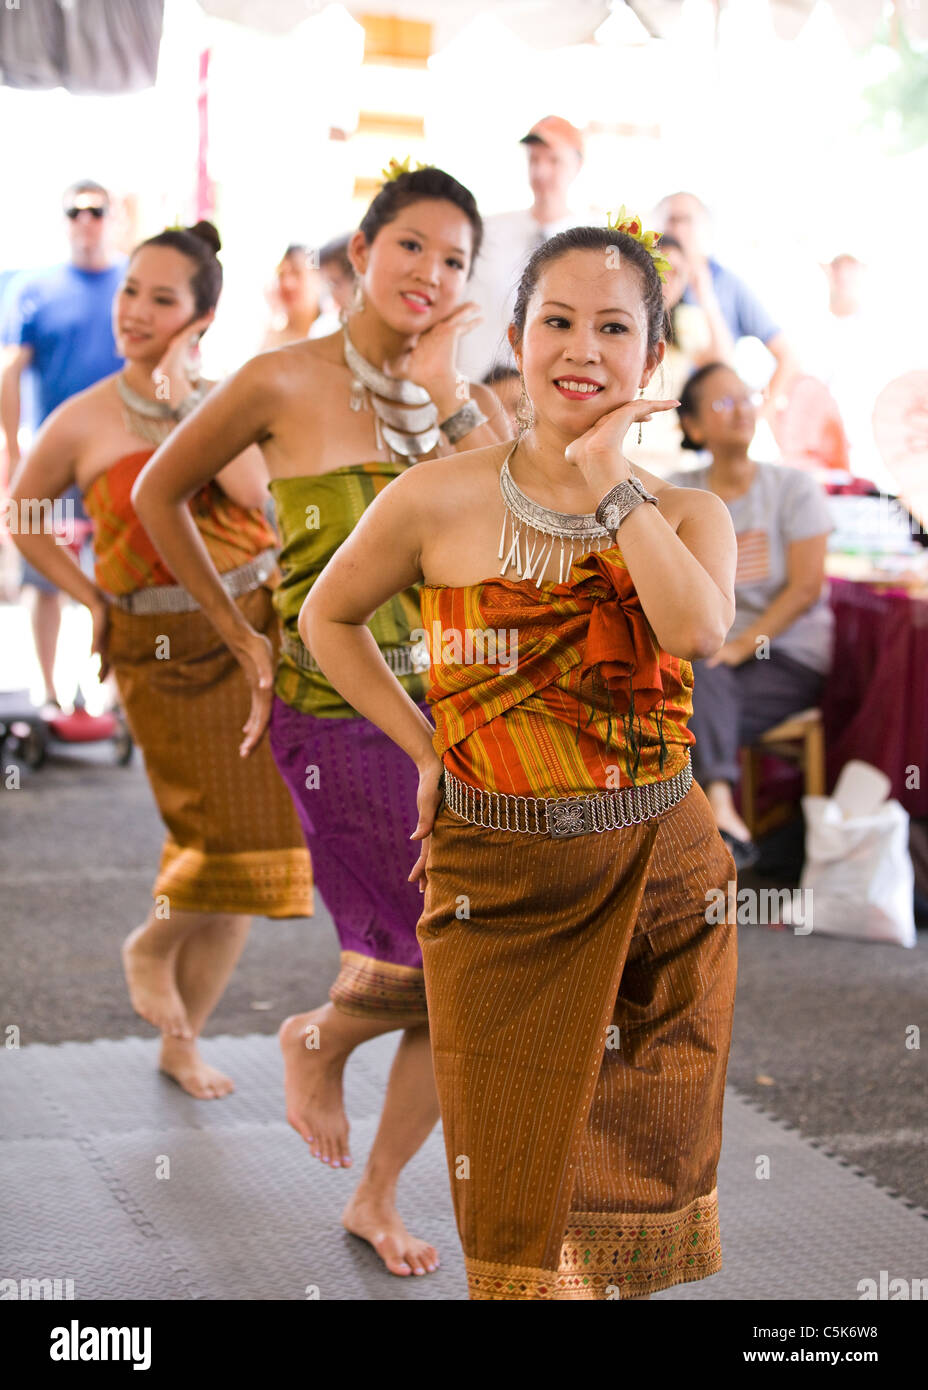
246	1214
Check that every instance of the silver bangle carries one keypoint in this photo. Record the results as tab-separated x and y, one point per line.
620	500
468	418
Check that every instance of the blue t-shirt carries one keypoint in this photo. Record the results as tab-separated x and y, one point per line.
65	315
741	309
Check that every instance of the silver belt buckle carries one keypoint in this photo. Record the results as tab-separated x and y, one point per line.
419	658
566	818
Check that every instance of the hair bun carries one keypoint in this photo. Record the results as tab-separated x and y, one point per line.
208	233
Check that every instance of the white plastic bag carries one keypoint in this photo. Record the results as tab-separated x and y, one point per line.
860	872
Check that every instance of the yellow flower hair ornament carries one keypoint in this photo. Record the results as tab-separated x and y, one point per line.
395	168
628	223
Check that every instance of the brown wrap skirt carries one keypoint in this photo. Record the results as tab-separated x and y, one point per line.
233	843
580	1007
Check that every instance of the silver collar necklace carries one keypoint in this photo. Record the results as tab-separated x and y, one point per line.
152	420
523	516
405	417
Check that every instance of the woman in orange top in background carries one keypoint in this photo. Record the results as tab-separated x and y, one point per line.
579	1002
233	846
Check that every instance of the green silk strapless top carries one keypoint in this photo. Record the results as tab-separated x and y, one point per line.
315	515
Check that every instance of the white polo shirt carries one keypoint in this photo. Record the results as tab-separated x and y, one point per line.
509	239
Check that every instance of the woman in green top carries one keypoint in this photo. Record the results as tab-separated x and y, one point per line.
337	418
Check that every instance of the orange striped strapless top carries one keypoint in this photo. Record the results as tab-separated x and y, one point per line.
125	557
556	691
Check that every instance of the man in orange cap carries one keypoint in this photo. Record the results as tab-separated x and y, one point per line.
555	154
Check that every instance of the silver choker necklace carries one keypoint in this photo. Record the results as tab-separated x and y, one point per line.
522	515
405	417
151	420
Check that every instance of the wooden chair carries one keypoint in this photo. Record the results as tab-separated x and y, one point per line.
800	739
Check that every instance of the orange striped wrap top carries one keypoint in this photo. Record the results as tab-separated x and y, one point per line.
558	690
125	557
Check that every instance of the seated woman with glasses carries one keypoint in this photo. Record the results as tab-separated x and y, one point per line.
779	649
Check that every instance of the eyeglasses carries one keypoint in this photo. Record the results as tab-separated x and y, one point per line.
726	403
74	213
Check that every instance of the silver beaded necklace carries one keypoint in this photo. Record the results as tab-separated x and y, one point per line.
522	516
405	417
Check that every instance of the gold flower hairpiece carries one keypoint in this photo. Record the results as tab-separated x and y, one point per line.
628	223
395	168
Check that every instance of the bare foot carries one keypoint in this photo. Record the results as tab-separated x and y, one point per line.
182	1062
379	1223
314	1060
152	986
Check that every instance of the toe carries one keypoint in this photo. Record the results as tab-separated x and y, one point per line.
391	1253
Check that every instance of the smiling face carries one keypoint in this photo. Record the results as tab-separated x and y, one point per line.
584	348
415	271
153	303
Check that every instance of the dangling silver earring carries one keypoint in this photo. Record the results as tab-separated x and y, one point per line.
640	394
357	303
525	411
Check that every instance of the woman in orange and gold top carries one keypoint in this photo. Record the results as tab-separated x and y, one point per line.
233	845
580	1004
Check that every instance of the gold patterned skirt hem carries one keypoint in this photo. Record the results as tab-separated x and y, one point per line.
370	988
613	1255
263	883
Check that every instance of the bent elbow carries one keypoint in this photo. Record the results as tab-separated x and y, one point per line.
706	644
700	643
305	621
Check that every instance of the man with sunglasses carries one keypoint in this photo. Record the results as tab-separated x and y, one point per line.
56	325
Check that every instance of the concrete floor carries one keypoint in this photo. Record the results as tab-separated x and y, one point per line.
819	1073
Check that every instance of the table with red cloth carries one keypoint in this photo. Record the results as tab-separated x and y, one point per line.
875	702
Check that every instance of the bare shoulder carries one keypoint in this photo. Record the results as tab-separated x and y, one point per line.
294	361
79	417
458	480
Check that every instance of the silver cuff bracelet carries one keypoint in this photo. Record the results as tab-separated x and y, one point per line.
468	418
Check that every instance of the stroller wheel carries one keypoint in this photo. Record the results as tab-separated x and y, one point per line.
30	742
123	744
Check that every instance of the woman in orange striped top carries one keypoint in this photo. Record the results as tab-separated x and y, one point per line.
579	1001
233	846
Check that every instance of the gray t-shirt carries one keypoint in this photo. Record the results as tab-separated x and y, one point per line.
782	505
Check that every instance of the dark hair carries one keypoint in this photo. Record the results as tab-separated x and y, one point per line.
413	187
84	186
691	398
294	251
501	372
336	251
668	239
199	244
596	239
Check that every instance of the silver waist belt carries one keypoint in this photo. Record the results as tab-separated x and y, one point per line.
174	598
403	661
566	815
